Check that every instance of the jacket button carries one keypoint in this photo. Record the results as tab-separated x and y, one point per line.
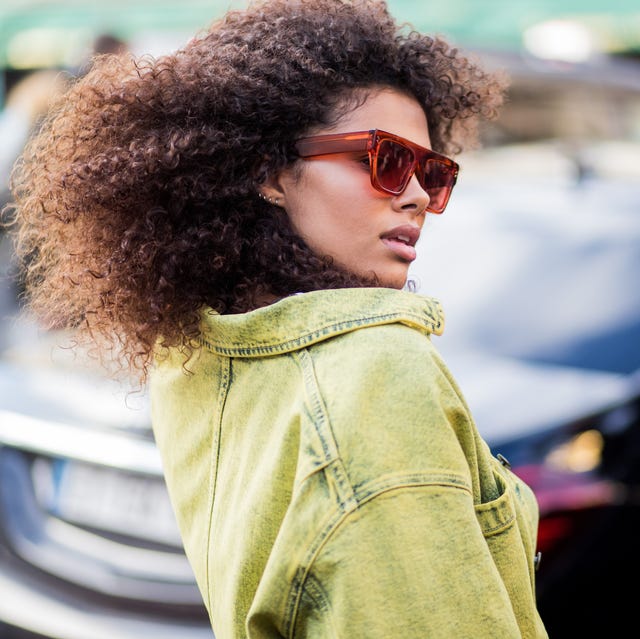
536	561
503	460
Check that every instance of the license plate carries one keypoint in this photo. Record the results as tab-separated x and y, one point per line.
112	500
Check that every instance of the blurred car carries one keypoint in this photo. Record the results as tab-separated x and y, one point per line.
536	262
89	546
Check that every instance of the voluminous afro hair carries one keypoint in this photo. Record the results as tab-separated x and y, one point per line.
136	203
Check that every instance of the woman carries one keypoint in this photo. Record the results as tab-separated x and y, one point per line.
238	219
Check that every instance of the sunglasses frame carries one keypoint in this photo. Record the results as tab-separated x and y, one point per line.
332	143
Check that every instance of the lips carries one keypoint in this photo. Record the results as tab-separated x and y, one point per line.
407	234
402	240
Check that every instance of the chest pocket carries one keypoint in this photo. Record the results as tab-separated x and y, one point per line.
509	526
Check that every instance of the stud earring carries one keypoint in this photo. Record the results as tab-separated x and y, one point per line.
271	200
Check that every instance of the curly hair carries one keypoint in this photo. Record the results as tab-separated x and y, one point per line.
136	204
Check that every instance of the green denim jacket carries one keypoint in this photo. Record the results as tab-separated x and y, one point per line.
329	481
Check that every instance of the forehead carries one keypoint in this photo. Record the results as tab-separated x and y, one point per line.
381	108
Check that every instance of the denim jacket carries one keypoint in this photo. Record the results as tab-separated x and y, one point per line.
329	481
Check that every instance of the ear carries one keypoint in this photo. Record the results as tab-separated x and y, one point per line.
274	190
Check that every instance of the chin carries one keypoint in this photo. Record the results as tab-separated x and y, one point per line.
393	281
390	278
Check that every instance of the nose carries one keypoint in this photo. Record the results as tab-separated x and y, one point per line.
414	198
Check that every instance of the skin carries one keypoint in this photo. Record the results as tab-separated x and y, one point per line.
333	206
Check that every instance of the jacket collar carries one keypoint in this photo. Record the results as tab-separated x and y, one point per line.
306	318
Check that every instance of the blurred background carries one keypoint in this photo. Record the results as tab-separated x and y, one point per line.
536	262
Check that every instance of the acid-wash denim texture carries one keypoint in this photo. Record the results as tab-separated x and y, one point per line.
329	481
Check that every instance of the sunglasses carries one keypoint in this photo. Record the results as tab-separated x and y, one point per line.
392	162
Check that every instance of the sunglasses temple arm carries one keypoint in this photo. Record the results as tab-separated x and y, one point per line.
310	147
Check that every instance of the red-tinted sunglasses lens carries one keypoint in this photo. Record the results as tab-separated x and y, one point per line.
395	164
437	179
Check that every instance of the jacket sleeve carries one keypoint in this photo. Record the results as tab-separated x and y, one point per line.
411	562
434	546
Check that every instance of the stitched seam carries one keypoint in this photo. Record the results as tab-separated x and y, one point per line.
334	471
322	425
371	489
334	328
303	569
490	532
225	378
317	594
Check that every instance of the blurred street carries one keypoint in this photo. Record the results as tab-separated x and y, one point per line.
8	306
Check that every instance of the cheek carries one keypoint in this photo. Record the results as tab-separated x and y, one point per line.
332	214
341	190
331	201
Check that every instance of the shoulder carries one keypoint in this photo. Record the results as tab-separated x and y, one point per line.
394	354
391	401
